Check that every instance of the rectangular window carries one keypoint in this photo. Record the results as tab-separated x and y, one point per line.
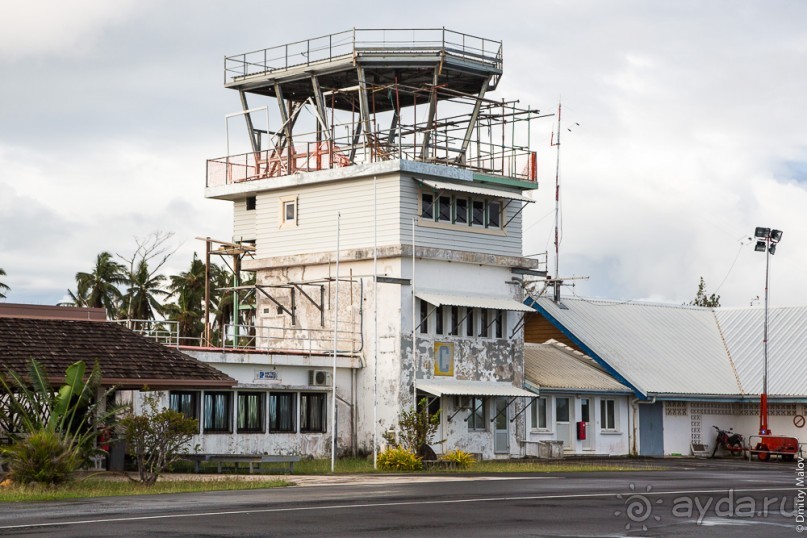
494	214
217	412
444	204
561	409
252	202
538	412
478	213
608	415
469	323
289	211
483	323
250	412
427	206
281	412
461	210
424	317
499	323
438	320
313	418
476	420
185	402
455	321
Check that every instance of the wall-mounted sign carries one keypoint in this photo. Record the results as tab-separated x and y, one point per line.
266	375
444	358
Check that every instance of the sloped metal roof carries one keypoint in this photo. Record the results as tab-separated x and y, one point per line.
655	348
472	301
455	387
743	330
556	366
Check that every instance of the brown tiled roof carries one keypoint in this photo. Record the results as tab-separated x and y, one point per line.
127	360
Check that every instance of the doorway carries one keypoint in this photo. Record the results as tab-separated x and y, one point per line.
585	416
501	427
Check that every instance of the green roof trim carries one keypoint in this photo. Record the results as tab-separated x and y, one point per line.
510	182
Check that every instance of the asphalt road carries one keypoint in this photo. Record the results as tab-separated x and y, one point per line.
690	499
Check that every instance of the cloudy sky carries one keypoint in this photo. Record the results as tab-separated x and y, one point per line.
692	131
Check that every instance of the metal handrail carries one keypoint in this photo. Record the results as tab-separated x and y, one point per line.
296	339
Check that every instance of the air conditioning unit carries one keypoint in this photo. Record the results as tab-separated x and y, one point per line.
319	378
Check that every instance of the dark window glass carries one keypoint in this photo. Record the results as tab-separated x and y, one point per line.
217	412
250	411
483	322
499	323
461	211
290	209
476	420
186	403
607	415
561	409
424	317
251	203
494	214
444	203
427	206
438	320
478	213
469	323
455	321
281	412
313	417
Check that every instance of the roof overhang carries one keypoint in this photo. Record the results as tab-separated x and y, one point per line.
473	301
471	188
472	388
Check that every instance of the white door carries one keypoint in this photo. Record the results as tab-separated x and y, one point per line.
501	427
563	425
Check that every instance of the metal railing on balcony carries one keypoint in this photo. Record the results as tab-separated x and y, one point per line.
331	47
292	339
163	332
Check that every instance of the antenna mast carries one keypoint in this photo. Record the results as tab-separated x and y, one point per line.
556	281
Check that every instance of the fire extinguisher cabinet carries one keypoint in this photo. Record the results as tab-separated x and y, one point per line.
581	431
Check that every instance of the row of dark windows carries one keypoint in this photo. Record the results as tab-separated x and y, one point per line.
461	321
256	412
461	210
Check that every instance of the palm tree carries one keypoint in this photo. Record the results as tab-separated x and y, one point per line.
141	300
188	310
3	287
100	287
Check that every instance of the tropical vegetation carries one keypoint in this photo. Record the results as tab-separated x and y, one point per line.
3	287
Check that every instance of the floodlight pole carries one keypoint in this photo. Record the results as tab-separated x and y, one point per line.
763	399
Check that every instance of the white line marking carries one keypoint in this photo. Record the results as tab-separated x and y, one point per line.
387	504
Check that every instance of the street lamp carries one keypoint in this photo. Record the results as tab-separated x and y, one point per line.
767	240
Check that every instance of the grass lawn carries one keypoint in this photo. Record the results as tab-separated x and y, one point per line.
102	487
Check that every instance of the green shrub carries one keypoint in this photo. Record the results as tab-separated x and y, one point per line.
399	459
460	458
45	457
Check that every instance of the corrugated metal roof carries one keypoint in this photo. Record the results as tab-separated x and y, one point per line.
656	348
743	329
554	365
471	388
474	189
473	301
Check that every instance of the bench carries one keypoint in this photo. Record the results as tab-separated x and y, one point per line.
236	459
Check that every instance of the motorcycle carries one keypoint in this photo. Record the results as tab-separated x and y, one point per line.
734	443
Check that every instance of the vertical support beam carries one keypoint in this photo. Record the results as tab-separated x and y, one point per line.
364	108
287	141
320	102
466	140
256	147
424	152
207	292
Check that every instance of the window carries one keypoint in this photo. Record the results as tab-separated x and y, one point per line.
438	320
494	214
251	203
476	420
499	323
312	412
454	330
461	210
538	412
608	415
185	402
281	412
469	322
217	412
427	206
483	321
478	213
444	205
561	409
288	211
250	412
424	317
